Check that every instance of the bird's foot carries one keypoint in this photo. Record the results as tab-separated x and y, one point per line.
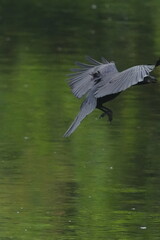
106	113
110	116
102	115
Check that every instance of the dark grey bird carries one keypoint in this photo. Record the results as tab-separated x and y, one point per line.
102	82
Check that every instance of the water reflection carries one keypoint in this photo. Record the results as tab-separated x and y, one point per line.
103	182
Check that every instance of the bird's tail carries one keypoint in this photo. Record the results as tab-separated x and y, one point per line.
87	107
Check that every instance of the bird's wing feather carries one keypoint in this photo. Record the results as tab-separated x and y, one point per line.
83	78
86	108
123	80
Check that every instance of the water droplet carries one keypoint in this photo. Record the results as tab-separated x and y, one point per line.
143	227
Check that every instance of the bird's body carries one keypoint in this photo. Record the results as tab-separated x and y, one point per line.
101	82
106	98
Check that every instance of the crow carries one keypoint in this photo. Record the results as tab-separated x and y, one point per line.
101	82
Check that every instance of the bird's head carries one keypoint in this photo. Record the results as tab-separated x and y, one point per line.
156	70
157	63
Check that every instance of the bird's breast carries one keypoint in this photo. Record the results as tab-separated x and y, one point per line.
106	98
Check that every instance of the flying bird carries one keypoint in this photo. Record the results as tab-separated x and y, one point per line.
101	82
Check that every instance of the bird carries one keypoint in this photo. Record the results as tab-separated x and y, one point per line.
101	82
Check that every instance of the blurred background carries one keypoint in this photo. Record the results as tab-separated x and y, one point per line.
102	182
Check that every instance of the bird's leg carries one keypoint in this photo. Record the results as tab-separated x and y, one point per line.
106	111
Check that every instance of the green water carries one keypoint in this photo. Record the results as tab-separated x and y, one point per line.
104	181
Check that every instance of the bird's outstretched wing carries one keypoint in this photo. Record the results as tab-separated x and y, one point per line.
87	107
88	75
123	80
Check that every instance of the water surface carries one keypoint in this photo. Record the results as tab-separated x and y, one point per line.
103	181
